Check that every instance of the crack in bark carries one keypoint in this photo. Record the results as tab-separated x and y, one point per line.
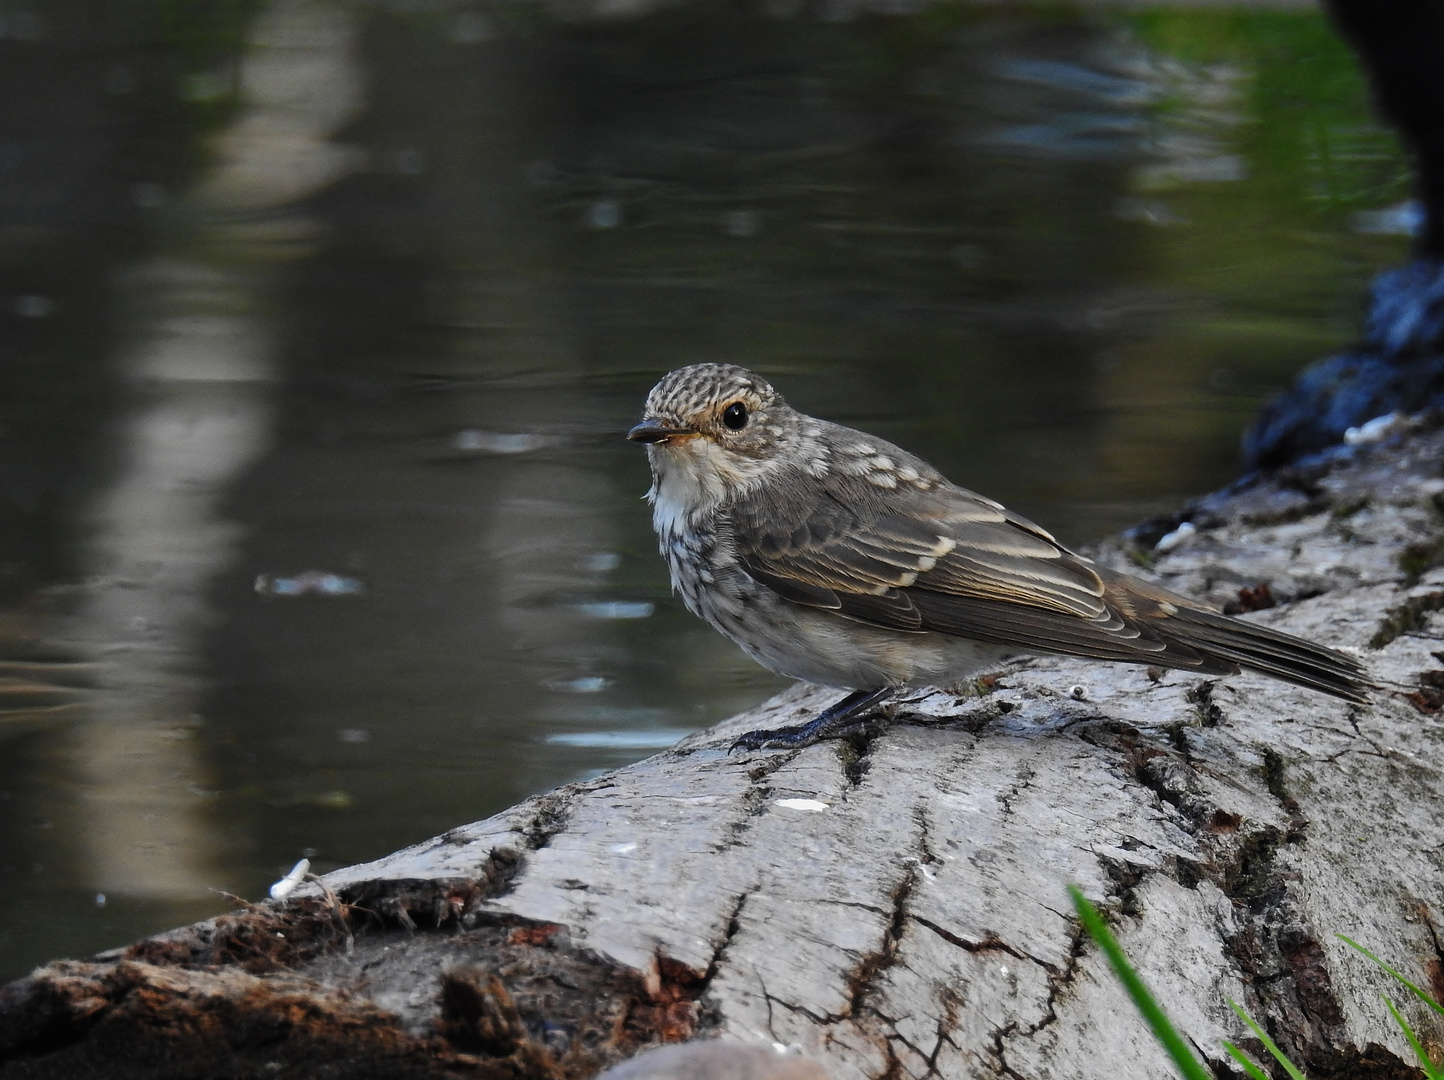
1376	753
1353	718
1225	1068
895	1064
925	850
859	905
1089	717
1171	774
1358	731
1126	877
988	944
824	1020
1201	695
553	812
854	752
862	979
1023	779
1274	778
1411	615
769	765
859	982
1260	892
754	799
952	1003
875	963
734	924
1000	1049
1059	982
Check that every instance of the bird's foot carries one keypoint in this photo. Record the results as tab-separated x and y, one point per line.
841	721
800	735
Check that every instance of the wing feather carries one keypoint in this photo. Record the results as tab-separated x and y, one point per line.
946	541
949	561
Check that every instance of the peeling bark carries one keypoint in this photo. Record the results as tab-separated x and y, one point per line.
895	904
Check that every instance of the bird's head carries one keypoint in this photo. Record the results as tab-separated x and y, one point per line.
714	428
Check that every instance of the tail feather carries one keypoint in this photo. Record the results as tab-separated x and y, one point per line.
1272	652
1223	641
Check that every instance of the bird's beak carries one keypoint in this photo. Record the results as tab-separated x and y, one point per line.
654	431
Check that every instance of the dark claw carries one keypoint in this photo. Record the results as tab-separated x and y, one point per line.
769	739
840	721
784	738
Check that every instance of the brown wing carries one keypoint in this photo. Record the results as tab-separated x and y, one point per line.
944	560
950	561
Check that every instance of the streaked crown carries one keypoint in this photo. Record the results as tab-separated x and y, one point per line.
725	405
690	393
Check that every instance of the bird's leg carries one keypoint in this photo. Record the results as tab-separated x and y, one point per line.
843	718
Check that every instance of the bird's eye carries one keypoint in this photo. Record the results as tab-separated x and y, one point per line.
735	416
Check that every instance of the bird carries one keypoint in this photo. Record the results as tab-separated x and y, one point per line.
834	557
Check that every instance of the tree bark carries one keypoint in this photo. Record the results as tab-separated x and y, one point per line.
896	906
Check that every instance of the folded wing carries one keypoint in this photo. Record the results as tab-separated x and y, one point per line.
949	561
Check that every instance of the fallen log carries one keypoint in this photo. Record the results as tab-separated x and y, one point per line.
896	905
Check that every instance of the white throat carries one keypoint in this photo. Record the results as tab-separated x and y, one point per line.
692	479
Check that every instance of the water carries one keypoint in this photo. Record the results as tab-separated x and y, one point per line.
322	324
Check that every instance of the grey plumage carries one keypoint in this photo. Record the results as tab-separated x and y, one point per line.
833	556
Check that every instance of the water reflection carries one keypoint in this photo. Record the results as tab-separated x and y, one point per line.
199	374
202	367
360	553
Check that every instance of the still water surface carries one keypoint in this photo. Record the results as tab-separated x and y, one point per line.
323	326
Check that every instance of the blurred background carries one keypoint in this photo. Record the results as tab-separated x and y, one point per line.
321	322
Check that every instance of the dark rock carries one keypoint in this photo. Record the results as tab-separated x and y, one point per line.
1398	368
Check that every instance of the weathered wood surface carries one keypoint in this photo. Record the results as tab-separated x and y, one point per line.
895	907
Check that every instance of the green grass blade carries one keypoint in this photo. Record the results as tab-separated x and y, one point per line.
1432	1071
1425	998
1245	1061
1263	1037
1163	1029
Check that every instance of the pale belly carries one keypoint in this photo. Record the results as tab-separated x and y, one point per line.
814	645
833	651
821	647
